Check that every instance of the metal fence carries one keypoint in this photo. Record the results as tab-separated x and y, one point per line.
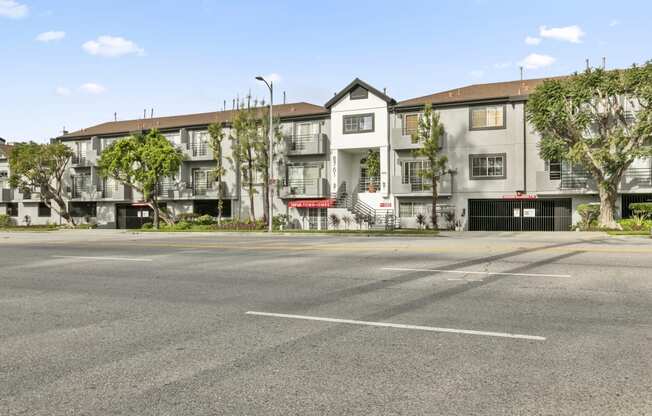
520	215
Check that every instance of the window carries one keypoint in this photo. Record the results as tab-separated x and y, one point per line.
359	93
487	117
359	123
411	125
12	209
412	209
411	170
44	210
487	166
4	174
83	209
81	183
553	167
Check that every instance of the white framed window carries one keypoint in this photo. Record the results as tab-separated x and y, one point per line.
487	117
487	166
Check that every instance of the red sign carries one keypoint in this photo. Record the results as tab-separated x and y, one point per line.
311	203
385	204
520	196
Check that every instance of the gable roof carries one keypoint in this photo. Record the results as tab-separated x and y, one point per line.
478	92
355	83
292	110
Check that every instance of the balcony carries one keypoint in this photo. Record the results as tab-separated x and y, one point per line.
209	190
30	195
197	151
634	179
305	188
400	140
308	144
419	187
117	192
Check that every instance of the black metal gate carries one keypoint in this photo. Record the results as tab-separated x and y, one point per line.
631	199
520	215
130	216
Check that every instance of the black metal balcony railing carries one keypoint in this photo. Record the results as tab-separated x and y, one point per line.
417	184
202	186
303	143
305	187
79	159
199	149
365	183
81	184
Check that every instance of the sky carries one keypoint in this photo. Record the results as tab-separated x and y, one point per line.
73	64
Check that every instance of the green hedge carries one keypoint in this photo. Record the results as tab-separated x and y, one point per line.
641	208
6	221
635	224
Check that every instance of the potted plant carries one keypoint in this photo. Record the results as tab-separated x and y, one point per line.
373	169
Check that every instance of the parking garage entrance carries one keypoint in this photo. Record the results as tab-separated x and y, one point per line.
520	214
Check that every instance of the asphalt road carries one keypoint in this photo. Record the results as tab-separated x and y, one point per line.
99	323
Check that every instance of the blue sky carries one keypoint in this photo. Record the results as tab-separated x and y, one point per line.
74	63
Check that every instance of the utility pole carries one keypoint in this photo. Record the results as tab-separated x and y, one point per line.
270	162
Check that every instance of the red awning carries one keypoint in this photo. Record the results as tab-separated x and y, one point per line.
311	203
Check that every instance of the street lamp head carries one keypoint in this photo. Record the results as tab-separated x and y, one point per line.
259	78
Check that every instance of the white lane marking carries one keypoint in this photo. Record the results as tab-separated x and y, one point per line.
402	269
401	326
102	258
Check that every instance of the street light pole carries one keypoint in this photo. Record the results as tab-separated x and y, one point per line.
270	153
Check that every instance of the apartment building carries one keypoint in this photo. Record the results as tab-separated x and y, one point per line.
497	180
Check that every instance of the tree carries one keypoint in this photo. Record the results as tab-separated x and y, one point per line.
142	161
42	166
243	158
372	164
599	120
261	150
429	134
216	134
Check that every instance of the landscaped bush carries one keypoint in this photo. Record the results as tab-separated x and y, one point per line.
182	225
6	221
204	220
187	216
589	214
643	209
147	226
636	223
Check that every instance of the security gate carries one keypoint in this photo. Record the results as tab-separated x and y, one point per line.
631	199
520	215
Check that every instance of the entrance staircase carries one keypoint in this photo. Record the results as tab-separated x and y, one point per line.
364	215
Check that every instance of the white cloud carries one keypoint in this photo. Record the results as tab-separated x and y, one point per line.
92	88
571	34
476	73
63	91
536	61
614	22
502	65
12	9
531	40
112	46
51	36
